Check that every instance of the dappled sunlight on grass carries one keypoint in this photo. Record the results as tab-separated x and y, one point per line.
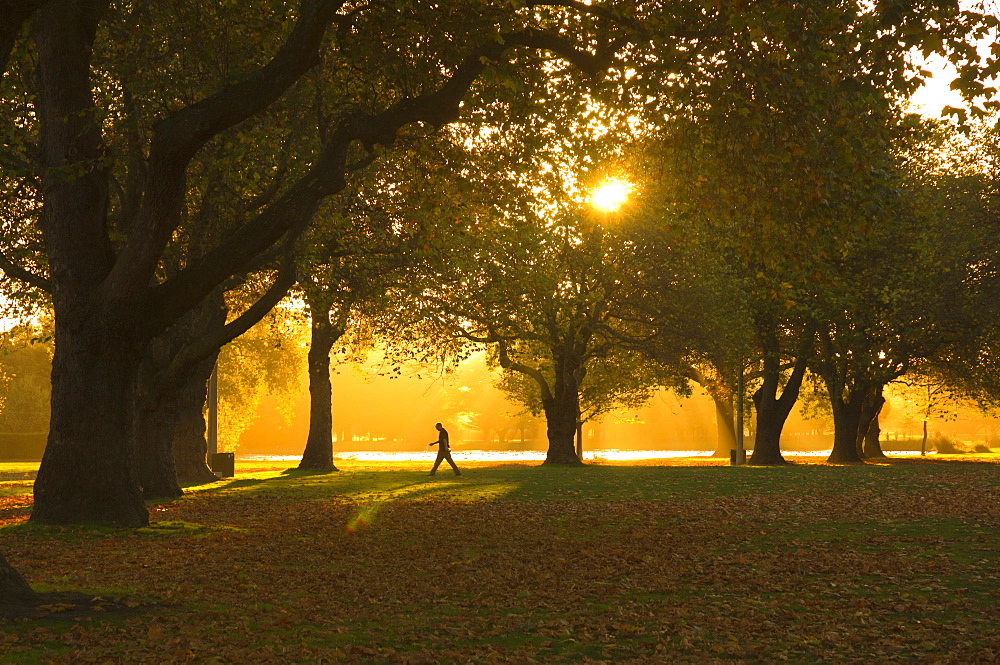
451	490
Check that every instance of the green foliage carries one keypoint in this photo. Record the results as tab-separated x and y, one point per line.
267	360
25	365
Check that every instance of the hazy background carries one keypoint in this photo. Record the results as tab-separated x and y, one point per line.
373	412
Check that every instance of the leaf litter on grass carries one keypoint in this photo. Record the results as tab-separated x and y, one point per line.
800	565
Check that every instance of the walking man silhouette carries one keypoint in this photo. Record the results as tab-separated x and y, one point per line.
444	450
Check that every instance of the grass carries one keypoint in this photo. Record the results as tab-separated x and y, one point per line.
635	563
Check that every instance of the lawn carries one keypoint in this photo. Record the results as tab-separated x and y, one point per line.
674	563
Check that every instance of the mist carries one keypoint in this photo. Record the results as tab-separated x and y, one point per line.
373	411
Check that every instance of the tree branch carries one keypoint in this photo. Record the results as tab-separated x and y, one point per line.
15	271
203	347
508	364
15	14
327	176
177	138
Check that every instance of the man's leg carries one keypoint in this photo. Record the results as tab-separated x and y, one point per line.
437	462
447	456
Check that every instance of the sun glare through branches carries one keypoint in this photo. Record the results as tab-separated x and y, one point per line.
610	195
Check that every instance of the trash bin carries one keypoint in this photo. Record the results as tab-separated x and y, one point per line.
223	464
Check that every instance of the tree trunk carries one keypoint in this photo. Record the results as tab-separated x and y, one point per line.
156	422
318	454
770	421
869	406
166	381
156	418
923	441
14	589
846	420
562	410
772	408
88	472
560	422
871	444
190	444
725	414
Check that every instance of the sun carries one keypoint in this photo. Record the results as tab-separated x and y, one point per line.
610	195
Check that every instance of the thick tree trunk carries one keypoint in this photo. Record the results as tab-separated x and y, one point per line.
14	588
88	472
560	422
318	454
772	408
846	401
156	418
562	409
166	381
873	443
190	444
846	421
871	447
156	422
766	445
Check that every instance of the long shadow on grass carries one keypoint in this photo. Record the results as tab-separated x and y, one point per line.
322	483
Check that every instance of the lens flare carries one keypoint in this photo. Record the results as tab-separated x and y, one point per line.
363	519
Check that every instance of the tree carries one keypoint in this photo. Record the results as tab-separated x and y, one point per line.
545	298
14	589
621	380
776	156
104	244
109	217
174	374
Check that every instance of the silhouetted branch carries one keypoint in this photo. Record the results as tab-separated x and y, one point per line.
15	271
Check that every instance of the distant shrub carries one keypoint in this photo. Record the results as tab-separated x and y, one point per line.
945	445
981	448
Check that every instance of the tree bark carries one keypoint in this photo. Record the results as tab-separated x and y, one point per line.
165	382
14	589
846	421
560	427
846	402
725	414
772	408
725	426
318	454
155	425
88	472
156	417
190	444
869	432
562	411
